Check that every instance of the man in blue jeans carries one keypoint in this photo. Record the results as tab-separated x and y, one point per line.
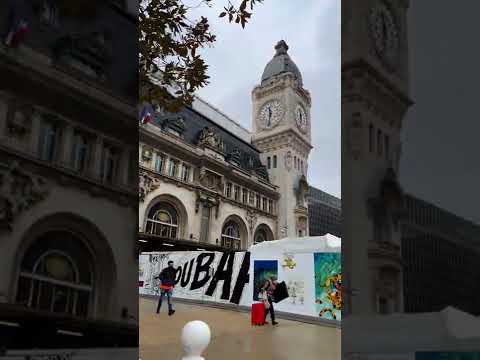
167	282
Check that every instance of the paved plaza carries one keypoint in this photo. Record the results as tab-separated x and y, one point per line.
233	338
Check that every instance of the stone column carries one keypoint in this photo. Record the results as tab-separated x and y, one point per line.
66	145
96	160
35	133
124	166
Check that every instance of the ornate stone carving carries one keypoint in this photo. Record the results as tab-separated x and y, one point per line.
288	160
19	191
176	124
209	137
235	157
252	220
90	51
301	191
19	119
146	184
147	154
211	181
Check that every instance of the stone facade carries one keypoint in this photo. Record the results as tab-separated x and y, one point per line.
219	184
67	171
374	101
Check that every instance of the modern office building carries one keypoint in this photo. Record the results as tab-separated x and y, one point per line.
440	252
324	213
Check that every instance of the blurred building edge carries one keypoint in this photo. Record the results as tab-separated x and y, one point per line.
68	170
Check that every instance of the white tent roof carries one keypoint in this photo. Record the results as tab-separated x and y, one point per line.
326	243
412	332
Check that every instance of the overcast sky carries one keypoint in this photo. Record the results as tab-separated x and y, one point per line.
312	32
440	161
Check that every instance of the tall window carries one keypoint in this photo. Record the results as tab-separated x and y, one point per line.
301	165
79	152
244	196
236	192
185	173
260	236
264	204
371	138
251	198
231	236
258	201
269	162
48	141
172	168
270	206
162	220
274	161
379	142
228	190
109	164
159	163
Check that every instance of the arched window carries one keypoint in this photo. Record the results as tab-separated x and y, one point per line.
262	233
231	236
162	220
56	275
260	236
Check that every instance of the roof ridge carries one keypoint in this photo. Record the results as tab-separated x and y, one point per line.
222	113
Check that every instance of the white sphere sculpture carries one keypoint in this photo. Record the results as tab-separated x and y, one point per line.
195	339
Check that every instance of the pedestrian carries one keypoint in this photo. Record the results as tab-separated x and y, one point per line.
167	283
268	289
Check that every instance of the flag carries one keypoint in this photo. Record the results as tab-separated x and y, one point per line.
17	29
145	116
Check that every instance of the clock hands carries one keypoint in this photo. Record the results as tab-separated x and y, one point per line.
269	122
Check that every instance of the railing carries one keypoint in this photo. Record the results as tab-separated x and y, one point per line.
162	229
195	339
231	243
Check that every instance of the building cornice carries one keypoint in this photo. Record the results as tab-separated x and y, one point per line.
65	177
201	157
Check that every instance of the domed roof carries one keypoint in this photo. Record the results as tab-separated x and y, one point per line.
281	63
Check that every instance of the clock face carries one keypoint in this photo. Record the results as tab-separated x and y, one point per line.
384	33
301	118
270	114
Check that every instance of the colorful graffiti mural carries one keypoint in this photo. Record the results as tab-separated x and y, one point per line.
328	285
262	270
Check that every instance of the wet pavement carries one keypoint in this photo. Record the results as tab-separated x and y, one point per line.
233	338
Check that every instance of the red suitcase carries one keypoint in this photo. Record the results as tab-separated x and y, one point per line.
258	314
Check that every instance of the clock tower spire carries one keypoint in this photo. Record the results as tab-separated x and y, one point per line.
281	131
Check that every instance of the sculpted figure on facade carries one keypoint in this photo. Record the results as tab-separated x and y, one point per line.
19	190
209	137
288	161
252	220
146	184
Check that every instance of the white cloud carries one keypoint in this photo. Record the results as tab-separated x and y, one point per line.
311	28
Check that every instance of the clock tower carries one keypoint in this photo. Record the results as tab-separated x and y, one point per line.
281	131
375	99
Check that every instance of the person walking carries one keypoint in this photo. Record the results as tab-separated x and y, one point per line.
167	283
268	288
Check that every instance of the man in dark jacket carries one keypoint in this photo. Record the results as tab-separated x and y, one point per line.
167	282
